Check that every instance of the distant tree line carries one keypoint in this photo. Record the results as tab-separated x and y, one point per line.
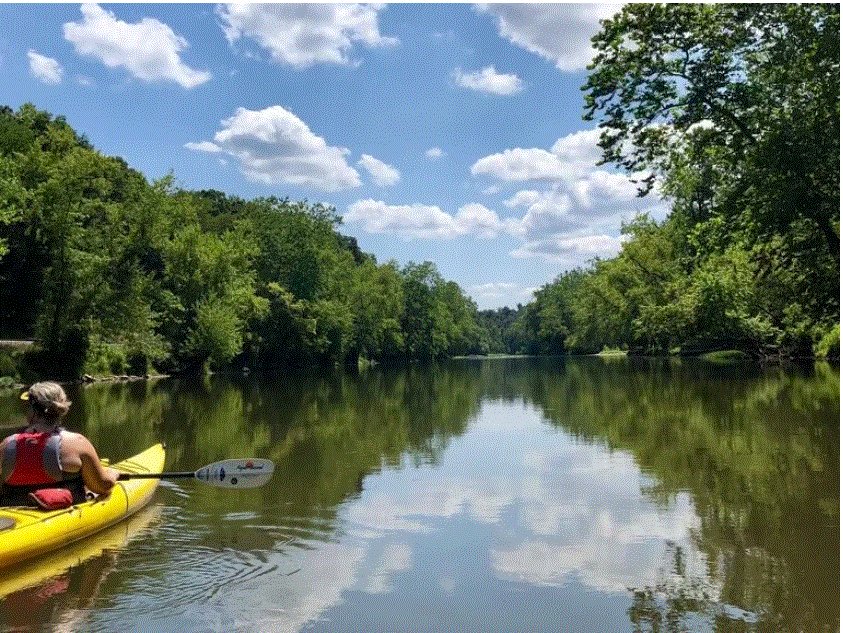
733	110
113	274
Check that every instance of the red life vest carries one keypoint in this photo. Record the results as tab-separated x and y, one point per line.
32	459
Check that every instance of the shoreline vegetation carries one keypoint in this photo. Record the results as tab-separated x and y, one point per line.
114	275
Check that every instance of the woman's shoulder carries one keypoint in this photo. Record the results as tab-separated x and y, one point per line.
70	438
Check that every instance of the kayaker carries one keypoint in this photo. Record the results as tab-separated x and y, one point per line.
46	459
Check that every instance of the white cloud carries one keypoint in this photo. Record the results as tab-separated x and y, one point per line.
573	198
434	152
416	220
492	190
44	68
570	157
573	213
273	146
301	35
476	219
204	146
425	221
578	151
382	174
517	165
82	80
600	200
560	33
149	50
489	81
570	250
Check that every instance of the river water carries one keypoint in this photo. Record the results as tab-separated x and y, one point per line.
589	494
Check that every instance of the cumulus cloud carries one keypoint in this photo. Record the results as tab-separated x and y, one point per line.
301	35
382	174
571	213
560	33
274	146
425	221
476	219
489	81
571	198
516	165
149	50
570	250
44	68
434	152
570	157
415	220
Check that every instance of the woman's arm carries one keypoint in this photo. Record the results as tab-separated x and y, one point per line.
97	477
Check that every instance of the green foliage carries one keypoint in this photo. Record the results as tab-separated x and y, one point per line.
211	287
499	326
734	111
829	344
438	319
377	305
104	359
9	362
113	274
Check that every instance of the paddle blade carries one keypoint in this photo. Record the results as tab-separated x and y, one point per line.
237	473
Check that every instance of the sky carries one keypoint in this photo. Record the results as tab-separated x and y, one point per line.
450	133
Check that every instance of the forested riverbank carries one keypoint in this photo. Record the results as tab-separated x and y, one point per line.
729	111
733	113
111	274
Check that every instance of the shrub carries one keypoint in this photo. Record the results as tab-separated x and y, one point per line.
9	362
106	358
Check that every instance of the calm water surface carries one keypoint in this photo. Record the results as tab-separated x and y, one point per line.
500	495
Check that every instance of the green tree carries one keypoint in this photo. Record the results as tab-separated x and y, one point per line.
209	292
734	111
377	305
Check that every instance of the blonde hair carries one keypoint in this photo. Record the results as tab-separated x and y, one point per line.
49	401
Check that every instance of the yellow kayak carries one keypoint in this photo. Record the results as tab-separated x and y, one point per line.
29	532
35	574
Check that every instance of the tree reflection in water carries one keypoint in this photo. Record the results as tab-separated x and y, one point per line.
755	450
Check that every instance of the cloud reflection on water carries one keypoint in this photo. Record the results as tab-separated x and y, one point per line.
554	511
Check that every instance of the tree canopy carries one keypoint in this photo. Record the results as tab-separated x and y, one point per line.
730	111
111	273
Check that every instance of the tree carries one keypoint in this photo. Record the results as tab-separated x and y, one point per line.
377	305
764	79
734	111
422	339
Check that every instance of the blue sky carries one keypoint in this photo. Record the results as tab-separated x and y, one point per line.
443	132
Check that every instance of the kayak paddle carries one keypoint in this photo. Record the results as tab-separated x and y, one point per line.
251	472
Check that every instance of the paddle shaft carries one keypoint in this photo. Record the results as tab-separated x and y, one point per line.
174	475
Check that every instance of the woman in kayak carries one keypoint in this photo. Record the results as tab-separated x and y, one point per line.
45	459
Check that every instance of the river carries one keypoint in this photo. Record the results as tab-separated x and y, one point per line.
584	494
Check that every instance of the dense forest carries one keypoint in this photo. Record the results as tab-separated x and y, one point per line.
731	112
112	274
